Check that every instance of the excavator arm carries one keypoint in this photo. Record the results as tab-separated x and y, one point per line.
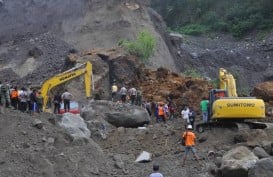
84	69
227	82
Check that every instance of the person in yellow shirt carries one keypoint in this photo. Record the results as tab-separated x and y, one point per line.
189	137
114	90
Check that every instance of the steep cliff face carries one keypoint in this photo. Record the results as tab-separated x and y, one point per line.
81	25
56	28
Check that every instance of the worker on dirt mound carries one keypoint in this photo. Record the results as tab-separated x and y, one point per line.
189	138
114	90
139	97
123	93
132	94
185	116
156	172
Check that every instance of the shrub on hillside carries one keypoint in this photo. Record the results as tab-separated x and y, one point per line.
193	29
143	46
192	73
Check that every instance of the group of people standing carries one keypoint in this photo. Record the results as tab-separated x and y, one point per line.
132	95
66	97
29	100
164	111
25	100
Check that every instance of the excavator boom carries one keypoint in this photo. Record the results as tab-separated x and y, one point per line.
84	69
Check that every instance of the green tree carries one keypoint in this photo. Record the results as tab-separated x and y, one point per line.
234	16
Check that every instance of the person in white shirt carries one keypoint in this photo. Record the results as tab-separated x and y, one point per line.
132	93
185	115
66	96
123	93
114	90
156	172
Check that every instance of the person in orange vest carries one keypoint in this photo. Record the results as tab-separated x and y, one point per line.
14	98
161	113
189	138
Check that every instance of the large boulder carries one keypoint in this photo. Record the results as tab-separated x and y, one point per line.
75	126
133	118
237	162
263	168
117	114
260	152
264	90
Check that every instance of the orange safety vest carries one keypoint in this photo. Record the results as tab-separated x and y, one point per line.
160	111
14	94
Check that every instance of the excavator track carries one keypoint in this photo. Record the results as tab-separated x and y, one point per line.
239	126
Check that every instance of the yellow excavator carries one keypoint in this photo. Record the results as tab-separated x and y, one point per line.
225	107
83	69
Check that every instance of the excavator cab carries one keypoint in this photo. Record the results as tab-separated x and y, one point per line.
214	95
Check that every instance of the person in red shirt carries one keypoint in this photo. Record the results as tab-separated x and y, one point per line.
189	137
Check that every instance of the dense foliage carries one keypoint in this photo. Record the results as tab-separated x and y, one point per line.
143	46
198	16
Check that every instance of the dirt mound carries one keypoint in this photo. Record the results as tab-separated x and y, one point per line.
156	85
27	150
265	91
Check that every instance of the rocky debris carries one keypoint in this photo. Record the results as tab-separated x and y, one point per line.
207	54
75	126
237	162
264	90
20	68
144	157
260	152
176	38
268	147
37	123
262	168
118	161
27	151
156	85
35	52
241	137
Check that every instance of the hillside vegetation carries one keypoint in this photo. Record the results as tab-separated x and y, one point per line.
201	16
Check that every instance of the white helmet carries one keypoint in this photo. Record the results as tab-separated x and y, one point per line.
189	127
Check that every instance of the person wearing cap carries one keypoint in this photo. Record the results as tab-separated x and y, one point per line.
190	138
156	172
